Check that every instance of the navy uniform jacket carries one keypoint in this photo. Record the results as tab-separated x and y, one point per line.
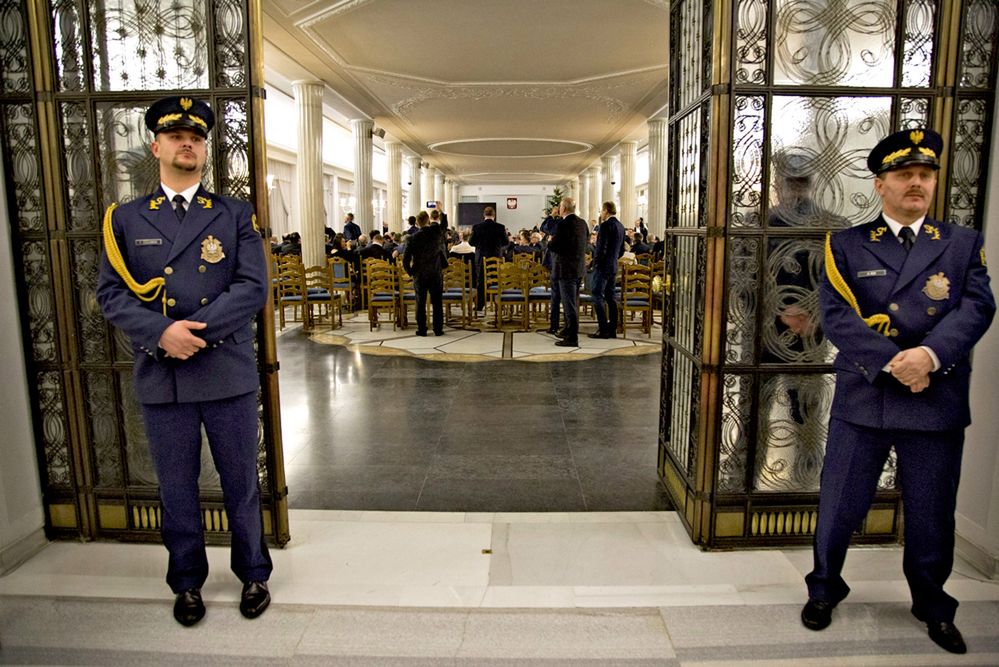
937	295
224	287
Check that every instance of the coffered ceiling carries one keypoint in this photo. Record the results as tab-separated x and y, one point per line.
485	90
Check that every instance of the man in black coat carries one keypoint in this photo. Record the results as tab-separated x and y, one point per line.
425	260
351	230
489	238
609	248
568	248
374	250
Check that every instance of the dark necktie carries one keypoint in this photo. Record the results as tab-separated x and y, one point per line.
908	238
178	207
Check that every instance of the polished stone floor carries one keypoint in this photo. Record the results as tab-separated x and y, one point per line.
373	432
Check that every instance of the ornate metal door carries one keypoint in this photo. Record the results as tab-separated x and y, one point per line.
774	105
75	79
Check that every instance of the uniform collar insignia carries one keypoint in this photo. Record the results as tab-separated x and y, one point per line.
156	202
204	201
876	234
932	232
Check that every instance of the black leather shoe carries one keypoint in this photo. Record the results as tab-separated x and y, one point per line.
561	333
595	334
553	332
255	599
567	342
947	636
602	335
189	608
421	333
817	614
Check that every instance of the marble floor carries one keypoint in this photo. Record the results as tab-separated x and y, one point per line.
378	420
430	588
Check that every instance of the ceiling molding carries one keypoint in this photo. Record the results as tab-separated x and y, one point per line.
580	147
332	11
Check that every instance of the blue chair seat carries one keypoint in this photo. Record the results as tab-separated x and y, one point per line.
638	302
291	299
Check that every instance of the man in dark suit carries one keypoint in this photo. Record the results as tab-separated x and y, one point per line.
609	248
489	239
904	299
183	275
351	230
568	248
374	249
425	260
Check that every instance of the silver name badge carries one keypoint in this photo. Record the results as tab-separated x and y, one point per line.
872	274
148	241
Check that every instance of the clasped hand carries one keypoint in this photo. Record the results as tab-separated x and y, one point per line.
178	342
912	368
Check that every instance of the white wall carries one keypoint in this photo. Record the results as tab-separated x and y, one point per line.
22	519
978	498
531	200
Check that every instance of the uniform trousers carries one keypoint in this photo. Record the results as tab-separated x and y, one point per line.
568	296
929	468
174	433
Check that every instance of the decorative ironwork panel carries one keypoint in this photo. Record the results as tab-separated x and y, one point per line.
41	316
150	45
967	170
834	43
81	187
122	346
733	450
791	329
15	70
981	29
825	141
68	19
230	44
55	435
688	212
913	112
86	256
234	159
751	43
889	477
683	399
102	407
919	23
689	83
22	166
747	161
686	300
743	286
128	167
793	422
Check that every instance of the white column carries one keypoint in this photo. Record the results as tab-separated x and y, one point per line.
427	185
439	187
309	168
606	188
657	177
452	206
363	189
596	191
393	210
415	190
628	211
583	201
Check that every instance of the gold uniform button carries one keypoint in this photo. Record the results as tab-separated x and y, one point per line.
893	307
893	332
931	311
202	268
168	270
204	301
171	302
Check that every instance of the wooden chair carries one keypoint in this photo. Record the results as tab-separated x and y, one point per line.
342	276
458	290
512	293
490	275
319	292
407	293
539	293
290	285
636	297
382	292
644	258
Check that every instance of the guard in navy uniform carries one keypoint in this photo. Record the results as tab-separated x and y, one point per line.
904	299
183	275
